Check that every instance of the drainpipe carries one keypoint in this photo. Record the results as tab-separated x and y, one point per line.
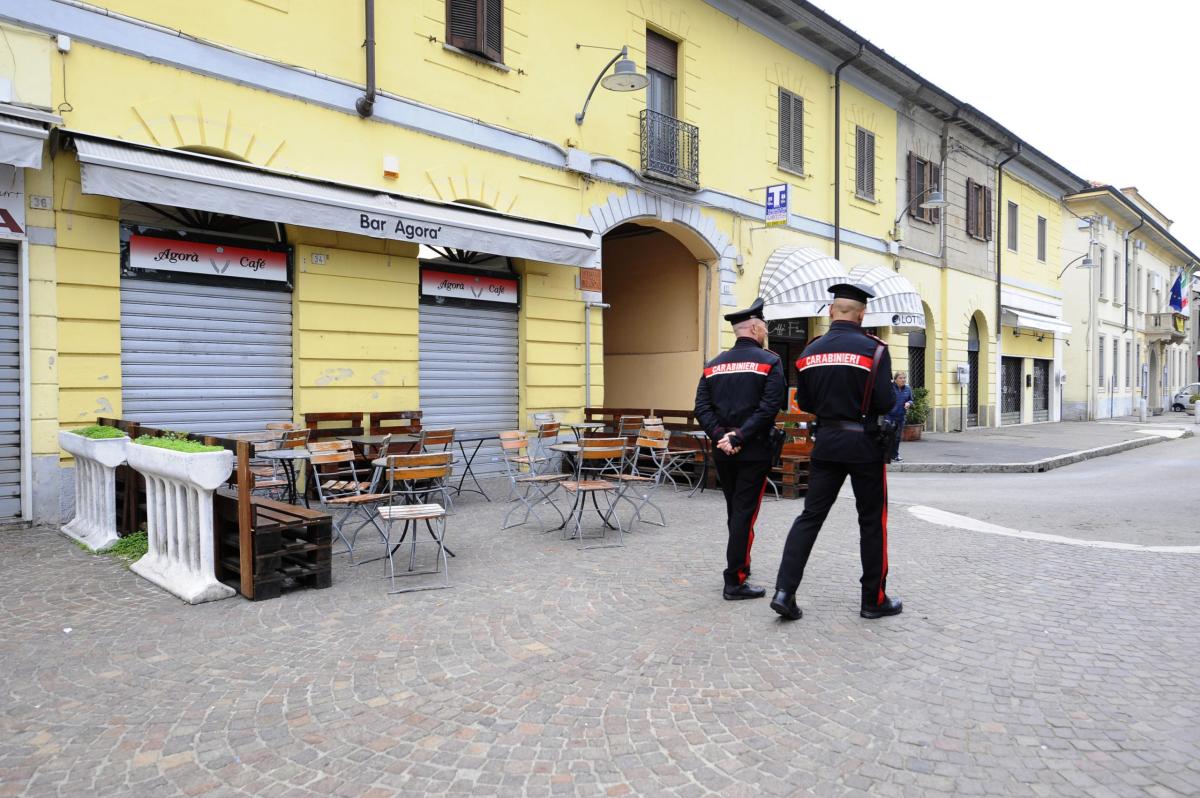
837	150
707	264
365	105
999	273
587	348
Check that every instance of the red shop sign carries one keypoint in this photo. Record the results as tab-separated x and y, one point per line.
196	257
479	287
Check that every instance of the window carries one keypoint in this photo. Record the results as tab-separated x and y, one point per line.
662	67
1101	381
1116	277
1128	364
1101	257
1042	239
924	177
1116	367
1014	218
1137	365
1139	304
791	132
864	164
476	26
979	211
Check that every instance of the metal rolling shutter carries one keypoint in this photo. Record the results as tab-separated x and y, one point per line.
10	384
469	374
205	358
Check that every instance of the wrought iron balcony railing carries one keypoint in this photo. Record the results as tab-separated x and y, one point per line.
670	148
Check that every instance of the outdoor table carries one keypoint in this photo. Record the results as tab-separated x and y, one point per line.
580	428
477	438
288	458
702	436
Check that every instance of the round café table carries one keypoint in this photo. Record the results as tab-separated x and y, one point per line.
288	458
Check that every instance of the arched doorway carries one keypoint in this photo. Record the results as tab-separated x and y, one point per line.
973	373
654	329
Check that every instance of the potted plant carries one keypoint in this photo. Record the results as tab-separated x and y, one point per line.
97	451
181	475
914	419
1193	406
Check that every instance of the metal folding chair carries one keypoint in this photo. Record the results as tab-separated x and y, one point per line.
598	459
338	487
412	479
529	488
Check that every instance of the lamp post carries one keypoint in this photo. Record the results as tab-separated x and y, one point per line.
936	200
1086	262
624	78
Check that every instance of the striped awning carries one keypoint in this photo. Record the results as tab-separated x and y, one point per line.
896	303
795	282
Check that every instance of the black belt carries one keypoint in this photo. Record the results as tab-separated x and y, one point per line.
849	426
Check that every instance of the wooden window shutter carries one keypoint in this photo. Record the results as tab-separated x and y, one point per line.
785	128
935	180
915	174
462	24
987	214
864	163
798	133
662	54
870	160
972	210
493	29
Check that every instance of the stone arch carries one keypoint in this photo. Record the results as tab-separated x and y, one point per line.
682	220
210	129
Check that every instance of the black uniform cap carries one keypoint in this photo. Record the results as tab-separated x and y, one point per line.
858	293
755	311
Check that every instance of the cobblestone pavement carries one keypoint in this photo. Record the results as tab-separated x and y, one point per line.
1018	668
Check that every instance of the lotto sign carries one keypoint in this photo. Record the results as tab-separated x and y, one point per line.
777	204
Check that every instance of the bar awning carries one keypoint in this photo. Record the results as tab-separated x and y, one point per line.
795	282
896	302
22	134
1015	317
142	173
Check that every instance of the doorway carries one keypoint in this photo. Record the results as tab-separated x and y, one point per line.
1011	389
653	331
973	374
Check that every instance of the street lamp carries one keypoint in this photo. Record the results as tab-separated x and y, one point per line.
936	200
1087	263
624	78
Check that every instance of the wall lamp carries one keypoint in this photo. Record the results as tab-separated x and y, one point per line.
937	200
1087	263
624	78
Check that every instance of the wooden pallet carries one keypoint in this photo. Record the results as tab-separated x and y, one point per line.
291	546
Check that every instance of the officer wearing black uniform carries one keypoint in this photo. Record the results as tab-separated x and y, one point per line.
737	399
833	374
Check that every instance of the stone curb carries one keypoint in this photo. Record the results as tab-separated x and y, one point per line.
1035	466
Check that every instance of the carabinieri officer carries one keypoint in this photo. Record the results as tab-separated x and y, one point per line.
740	393
834	373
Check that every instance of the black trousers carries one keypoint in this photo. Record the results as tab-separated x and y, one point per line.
869	481
743	482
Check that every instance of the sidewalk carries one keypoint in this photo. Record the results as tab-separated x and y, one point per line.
1035	447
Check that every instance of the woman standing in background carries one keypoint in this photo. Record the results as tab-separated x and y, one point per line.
904	400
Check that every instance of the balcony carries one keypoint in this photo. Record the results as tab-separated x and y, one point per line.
1169	327
670	149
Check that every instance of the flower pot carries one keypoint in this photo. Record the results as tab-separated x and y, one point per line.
96	460
180	557
912	432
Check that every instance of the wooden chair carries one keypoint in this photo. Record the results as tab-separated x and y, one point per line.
411	480
790	475
598	458
338	486
331	426
400	422
525	482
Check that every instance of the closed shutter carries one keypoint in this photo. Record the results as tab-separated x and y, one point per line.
935	181
791	131
987	214
662	54
916	174
202	358
972	210
476	26
10	384
864	163
468	374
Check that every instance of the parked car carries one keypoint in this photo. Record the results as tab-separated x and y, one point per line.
1181	400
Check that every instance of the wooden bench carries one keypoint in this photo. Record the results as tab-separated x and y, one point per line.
791	474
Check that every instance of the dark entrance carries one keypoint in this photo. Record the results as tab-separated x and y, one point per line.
1010	390
1041	390
787	338
916	360
973	374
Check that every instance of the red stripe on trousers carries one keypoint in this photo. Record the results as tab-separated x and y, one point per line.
883	573
750	537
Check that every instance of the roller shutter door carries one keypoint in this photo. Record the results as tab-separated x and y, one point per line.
469	374
205	358
10	384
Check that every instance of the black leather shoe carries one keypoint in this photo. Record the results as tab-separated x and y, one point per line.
890	606
784	603
743	591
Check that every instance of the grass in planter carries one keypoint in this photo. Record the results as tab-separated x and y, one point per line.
130	548
97	432
177	444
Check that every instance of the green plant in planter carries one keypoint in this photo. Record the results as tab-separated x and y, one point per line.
97	432
130	548
177	443
919	411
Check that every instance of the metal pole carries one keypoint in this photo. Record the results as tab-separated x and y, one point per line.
587	349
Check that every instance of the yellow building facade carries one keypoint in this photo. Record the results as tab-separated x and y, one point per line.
457	241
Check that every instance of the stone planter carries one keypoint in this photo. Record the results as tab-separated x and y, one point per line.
181	558
912	432
96	460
